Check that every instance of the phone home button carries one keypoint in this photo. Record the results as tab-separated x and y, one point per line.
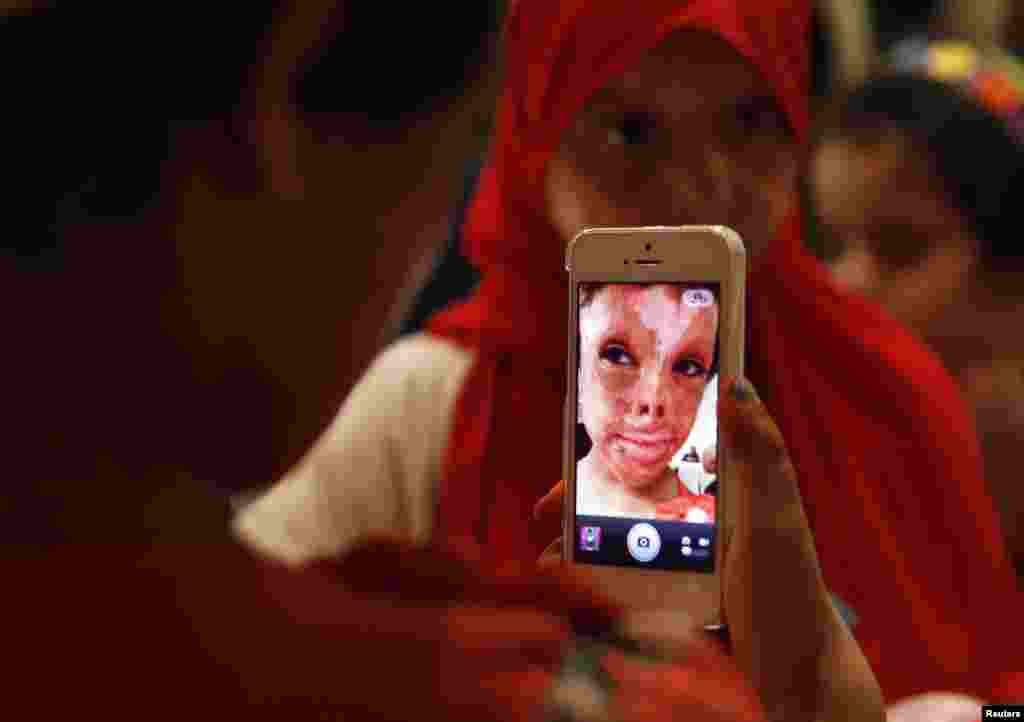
643	543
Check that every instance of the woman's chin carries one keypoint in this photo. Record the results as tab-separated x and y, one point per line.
636	472
637	477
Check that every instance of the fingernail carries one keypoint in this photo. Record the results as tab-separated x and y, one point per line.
845	611
743	390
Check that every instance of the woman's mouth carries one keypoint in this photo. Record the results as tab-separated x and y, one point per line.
647	449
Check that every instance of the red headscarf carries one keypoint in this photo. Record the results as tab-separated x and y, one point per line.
888	458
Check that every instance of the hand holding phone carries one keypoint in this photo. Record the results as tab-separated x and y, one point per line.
783	629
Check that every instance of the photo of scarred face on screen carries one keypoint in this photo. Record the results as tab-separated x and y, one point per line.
647	393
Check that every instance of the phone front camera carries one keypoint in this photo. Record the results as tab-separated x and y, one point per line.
648	247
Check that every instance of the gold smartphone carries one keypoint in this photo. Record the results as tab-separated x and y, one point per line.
656	322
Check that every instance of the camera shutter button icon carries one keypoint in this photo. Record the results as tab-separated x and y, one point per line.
643	543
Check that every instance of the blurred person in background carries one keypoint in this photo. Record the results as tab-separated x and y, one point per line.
175	226
212	216
184	271
918	176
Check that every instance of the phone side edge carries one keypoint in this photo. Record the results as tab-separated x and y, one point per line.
569	428
736	363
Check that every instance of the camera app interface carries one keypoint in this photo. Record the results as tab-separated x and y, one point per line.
646	427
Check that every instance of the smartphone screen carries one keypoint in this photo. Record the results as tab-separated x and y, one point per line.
646	425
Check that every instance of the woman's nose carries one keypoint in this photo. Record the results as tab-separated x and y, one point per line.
702	184
649	399
722	174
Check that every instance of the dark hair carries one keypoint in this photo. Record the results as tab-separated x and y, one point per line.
973	152
88	123
822	54
394	64
588	292
102	87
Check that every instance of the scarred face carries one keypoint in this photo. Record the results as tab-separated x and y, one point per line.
645	358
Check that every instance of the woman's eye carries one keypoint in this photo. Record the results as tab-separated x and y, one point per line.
632	129
757	117
899	247
689	368
617	355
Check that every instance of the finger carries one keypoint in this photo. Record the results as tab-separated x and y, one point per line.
721	631
388	567
550	585
711	459
673	633
551	502
725	539
762	477
747	427
392	570
502	687
758	452
777	606
498	630
551	557
475	625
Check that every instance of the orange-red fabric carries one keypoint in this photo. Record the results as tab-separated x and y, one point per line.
889	463
207	631
685	502
1010	689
